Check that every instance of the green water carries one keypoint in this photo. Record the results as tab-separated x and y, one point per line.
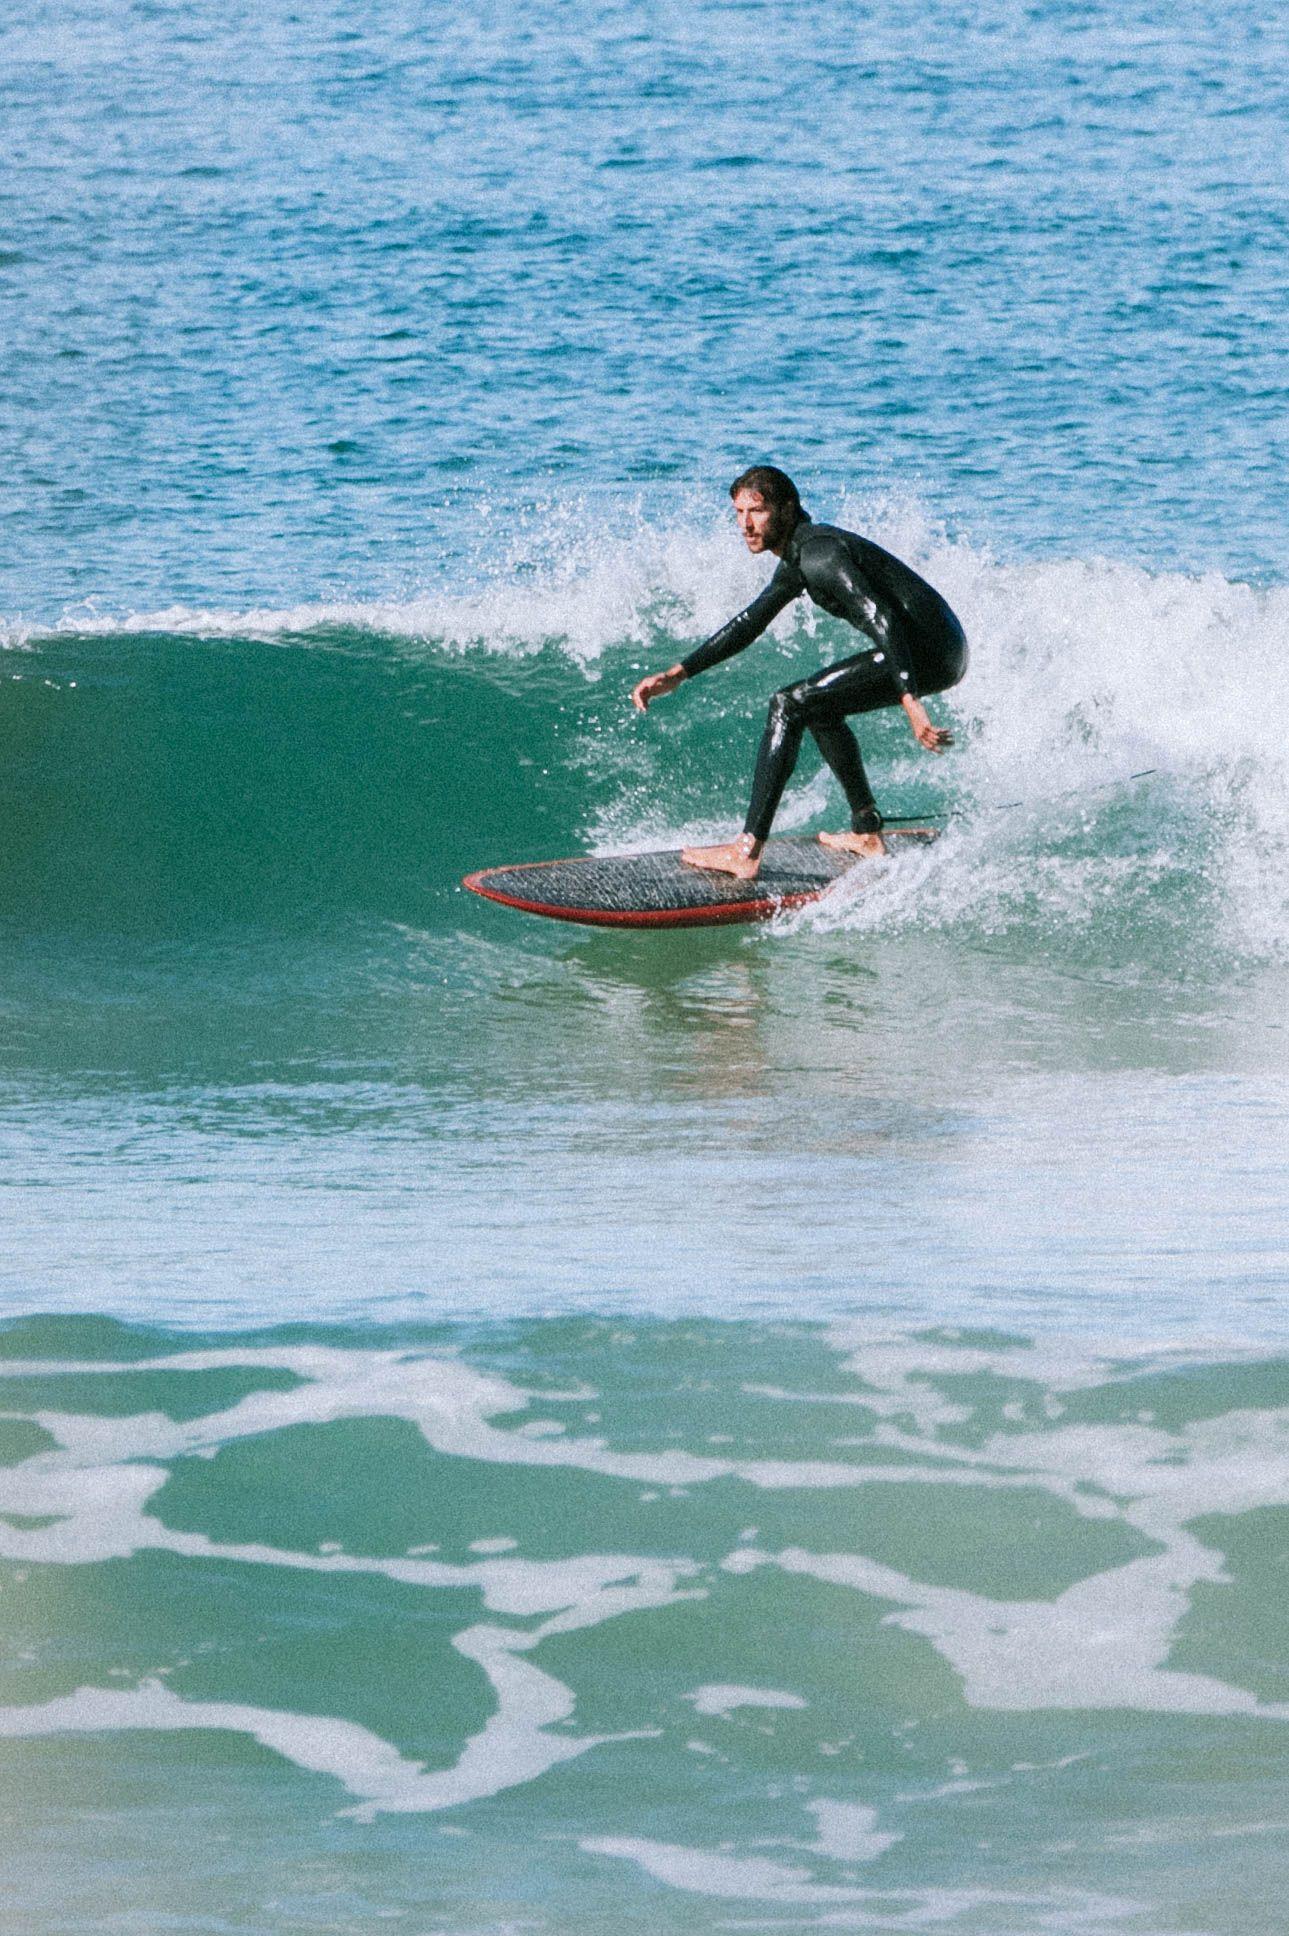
859	1629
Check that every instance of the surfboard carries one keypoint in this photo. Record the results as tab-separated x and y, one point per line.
661	891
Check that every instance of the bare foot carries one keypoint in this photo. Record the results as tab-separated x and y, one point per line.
741	858
867	846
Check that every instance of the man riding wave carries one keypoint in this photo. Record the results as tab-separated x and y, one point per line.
918	647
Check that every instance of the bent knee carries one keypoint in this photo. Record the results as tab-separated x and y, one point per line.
790	706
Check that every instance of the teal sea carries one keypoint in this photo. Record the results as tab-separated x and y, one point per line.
514	1429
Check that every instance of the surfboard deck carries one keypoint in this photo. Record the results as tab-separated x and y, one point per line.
660	891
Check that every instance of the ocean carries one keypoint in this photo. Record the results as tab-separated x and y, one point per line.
510	1428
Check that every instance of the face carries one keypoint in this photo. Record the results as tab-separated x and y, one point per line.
758	521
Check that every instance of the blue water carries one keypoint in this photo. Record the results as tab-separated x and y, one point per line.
291	297
506	1428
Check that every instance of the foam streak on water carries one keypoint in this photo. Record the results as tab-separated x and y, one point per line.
1008	1554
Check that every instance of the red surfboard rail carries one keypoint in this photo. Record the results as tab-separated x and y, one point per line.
708	916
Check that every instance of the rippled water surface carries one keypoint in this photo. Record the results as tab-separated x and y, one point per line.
292	295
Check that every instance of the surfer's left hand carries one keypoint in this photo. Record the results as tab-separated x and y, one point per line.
936	739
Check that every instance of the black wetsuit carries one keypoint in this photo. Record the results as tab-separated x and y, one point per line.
918	647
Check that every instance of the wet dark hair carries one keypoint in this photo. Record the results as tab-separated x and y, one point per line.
775	486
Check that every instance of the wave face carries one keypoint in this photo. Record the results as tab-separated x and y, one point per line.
300	767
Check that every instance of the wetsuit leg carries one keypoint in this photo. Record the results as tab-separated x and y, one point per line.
841	751
858	685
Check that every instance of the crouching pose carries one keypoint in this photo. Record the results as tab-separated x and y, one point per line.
918	647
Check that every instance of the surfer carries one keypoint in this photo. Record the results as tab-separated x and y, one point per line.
918	648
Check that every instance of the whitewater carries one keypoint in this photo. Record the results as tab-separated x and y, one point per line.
508	1430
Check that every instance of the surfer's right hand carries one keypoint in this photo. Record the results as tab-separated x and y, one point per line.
656	686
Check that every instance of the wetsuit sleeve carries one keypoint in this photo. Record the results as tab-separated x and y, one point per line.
877	619
749	624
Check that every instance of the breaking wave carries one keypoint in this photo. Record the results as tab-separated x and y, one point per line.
296	764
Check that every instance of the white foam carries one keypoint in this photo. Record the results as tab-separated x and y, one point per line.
321	1744
513	1747
98	1486
1101	1644
848	1831
566	575
722	1699
1105	1641
451	1405
710	1872
716	1874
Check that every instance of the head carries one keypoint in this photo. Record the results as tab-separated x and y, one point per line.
767	506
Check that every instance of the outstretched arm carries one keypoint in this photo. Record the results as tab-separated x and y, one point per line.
733	636
749	624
